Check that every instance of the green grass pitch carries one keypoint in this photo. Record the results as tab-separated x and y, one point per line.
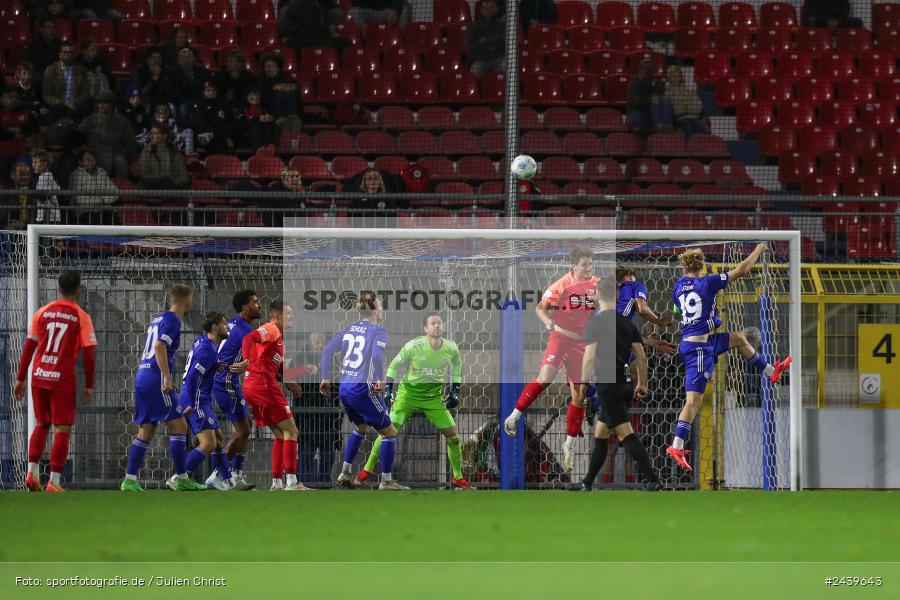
535	532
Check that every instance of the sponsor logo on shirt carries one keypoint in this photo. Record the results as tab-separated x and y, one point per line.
39	372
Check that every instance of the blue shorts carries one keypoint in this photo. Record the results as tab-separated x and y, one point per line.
230	399
203	417
152	405
362	407
699	360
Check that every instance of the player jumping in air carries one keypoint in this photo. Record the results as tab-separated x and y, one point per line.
362	346
694	297
264	348
57	333
614	384
227	384
195	403
427	359
632	300
154	395
564	309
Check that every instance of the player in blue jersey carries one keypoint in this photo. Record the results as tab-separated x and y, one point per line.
154	395
226	388
196	403
695	299
362	346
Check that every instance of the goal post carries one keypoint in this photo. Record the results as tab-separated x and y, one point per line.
403	253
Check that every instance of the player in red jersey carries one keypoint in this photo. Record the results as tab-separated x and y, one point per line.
564	309
263	351
57	333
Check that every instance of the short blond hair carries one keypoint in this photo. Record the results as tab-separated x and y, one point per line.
692	261
180	292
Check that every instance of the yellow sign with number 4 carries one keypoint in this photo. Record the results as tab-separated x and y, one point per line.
879	366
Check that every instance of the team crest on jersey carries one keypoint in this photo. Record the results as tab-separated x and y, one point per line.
551	357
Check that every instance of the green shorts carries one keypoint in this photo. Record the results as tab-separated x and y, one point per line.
407	404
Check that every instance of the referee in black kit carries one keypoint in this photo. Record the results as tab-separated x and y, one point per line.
603	327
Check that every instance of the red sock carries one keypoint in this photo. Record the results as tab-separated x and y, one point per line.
277	454
530	394
574	419
37	443
290	456
59	451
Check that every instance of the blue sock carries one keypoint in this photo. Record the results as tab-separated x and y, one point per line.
220	462
388	445
136	456
758	361
194	459
682	434
238	461
178	451
353	441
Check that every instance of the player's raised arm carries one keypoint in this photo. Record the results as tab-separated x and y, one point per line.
745	265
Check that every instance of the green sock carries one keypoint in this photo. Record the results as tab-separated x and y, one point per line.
454	453
373	455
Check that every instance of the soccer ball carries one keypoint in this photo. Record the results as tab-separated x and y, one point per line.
523	167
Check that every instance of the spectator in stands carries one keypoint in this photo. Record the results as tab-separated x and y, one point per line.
94	208
278	89
20	179
161	165
110	135
14	118
25	85
235	80
136	112
46	204
96	9
153	81
182	139
372	184
187	83
486	39
390	12
645	109
178	39
289	181
99	78
687	110
44	48
830	14
65	85
304	23
257	125
49	9
322	427
212	123
533	12
65	162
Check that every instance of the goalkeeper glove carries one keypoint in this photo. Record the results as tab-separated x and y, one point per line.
452	399
388	394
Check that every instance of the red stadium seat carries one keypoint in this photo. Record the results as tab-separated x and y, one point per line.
585	38
460	87
710	66
820	185
835	64
167	28
457	143
222	166
603	170
377	88
117	58
306	89
774	89
615	89
317	60
814	39
889	90
454	188
880	165
219	34
795	115
132	9
255	10
382	35
855	40
696	15
704	145
778	14
626	39
815	90
361	59
581	188
878	115
173	10
614	14
733	41
478	118
531	61
264	167
664	189
878	65
885	15
259	36
479	168
624	145
102	32
213	10
371	143
689	41
290	142
541	143
774	141
560	168
794	65
794	167
437	118
838	113
565	62
665	145
493	143
606	63
727	222
542	36
345	167
528	119
350	31
396	118
398	60
633	62
888	40
423	36
562	118
732	91
542	88
574	12
391	164
858	139
775	40
861	186
645	171
838	164
728	173
817	138
890	140
656	17
704	189
135	32
605	119
444	61
737	14
688	220
687	172
334	142
417	143
754	64
857	90
335	87
452	12
645	219
892	186
583	88
583	144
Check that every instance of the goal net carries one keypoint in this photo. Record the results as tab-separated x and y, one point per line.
484	282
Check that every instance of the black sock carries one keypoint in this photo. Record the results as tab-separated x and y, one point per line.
635	448
598	457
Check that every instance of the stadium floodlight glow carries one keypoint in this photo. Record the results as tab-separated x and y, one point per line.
140	241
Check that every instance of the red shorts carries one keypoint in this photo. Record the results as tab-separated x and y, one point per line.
563	351
56	406
267	402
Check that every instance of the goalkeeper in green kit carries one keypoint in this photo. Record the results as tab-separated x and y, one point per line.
427	359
